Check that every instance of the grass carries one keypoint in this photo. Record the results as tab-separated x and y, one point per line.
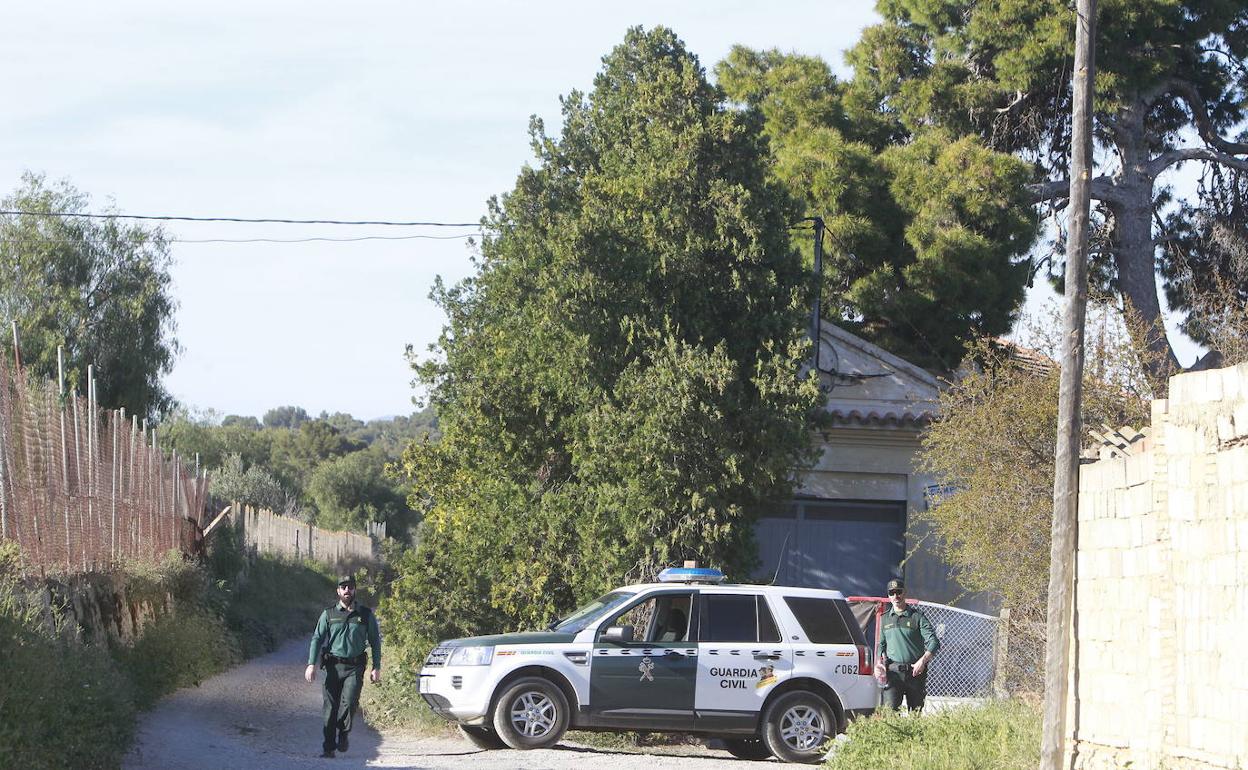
1002	735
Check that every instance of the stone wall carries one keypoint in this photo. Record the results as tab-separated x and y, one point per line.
1162	588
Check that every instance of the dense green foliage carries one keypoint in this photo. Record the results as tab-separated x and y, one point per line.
1171	86
993	449
330	470
618	384
926	230
62	704
71	699
1002	735
99	288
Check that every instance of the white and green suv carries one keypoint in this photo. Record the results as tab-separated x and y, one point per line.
772	670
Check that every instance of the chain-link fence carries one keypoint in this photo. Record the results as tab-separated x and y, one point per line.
972	646
81	487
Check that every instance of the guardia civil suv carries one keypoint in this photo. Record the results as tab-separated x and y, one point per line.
772	670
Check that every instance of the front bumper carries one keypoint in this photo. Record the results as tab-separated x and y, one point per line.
457	693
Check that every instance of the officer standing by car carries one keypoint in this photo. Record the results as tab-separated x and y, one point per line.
338	646
907	644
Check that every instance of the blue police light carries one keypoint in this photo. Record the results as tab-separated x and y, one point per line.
691	575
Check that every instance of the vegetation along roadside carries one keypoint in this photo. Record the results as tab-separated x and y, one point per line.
72	692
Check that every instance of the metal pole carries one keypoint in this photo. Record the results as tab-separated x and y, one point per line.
114	472
17	348
1055	754
92	512
60	379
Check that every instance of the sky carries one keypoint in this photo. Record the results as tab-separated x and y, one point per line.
384	110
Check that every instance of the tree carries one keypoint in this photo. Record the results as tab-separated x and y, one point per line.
252	486
99	288
295	454
993	450
617	386
285	417
353	489
1171	86
927	231
245	421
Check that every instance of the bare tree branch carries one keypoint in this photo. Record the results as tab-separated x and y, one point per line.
1103	189
1188	93
1168	159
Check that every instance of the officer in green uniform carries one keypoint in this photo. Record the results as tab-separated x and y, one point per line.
338	647
907	644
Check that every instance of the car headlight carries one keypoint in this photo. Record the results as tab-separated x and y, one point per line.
471	656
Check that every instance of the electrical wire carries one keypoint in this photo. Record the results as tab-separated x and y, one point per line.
332	240
258	220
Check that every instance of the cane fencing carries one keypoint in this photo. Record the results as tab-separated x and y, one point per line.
83	488
973	646
270	533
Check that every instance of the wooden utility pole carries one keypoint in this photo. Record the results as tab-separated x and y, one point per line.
1054	753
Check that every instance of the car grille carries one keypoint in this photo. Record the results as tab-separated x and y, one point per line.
438	656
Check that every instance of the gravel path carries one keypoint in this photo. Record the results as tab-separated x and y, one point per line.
263	716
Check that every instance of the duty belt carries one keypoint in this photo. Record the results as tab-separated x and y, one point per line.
358	660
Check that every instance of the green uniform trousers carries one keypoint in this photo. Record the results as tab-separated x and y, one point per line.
342	696
903	684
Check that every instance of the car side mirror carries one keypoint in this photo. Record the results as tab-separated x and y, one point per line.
621	634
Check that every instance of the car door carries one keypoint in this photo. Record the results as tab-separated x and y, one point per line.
647	682
741	658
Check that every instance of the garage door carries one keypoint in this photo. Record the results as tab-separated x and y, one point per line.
854	546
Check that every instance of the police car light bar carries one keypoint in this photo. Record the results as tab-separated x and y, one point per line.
691	575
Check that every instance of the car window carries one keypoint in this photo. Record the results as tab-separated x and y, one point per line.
729	618
585	615
821	619
661	618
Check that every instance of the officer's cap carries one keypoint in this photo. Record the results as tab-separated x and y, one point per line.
346	580
896	583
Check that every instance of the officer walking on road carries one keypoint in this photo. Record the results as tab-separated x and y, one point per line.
338	646
907	644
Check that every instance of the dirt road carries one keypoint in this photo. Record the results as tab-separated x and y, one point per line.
263	716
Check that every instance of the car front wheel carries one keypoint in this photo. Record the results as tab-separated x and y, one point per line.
797	725
531	713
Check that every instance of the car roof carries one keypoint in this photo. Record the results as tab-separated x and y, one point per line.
770	590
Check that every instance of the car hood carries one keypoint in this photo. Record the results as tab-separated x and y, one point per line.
523	637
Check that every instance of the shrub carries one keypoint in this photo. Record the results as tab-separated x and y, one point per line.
62	704
1003	735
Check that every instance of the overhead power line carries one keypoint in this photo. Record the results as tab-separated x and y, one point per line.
334	240
247	220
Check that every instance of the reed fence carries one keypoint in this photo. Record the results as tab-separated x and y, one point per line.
82	488
270	533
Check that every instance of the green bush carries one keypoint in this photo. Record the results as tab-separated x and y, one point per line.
1003	735
62	704
69	703
177	651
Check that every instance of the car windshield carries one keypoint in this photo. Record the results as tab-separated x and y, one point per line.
577	621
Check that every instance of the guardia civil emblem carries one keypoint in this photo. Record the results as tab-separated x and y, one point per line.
647	670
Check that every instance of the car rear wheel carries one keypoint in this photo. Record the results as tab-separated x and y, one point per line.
797	725
747	748
532	713
481	736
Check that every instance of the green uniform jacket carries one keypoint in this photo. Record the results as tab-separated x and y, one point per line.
345	633
904	636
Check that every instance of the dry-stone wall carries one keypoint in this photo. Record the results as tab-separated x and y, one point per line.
1162	594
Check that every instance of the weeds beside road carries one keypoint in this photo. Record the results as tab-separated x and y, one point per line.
68	704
